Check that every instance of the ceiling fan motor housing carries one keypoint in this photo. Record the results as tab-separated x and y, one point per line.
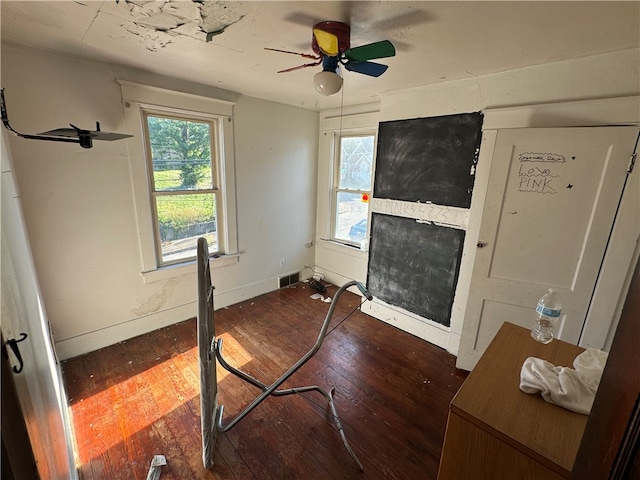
341	30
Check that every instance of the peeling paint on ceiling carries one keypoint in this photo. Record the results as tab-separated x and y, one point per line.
196	19
437	40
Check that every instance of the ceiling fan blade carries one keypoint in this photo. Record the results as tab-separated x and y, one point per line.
109	136
302	18
305	55
327	42
368	68
72	133
61	132
300	67
371	51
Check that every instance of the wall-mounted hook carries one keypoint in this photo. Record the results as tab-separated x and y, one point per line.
13	343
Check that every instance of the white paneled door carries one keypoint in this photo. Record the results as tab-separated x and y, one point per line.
28	347
551	202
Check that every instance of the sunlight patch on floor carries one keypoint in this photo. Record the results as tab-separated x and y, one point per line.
120	411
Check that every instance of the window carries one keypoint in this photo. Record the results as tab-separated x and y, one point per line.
184	187
352	187
182	173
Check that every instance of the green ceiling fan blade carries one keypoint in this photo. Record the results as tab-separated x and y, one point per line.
371	51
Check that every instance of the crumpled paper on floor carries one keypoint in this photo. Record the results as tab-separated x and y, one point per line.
316	296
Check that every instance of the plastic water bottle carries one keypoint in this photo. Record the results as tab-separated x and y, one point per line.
547	314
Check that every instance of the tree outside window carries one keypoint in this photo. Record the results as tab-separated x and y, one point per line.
183	185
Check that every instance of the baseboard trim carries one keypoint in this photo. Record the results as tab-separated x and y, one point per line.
95	340
427	330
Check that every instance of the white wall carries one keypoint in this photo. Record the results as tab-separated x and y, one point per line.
600	76
611	75
79	211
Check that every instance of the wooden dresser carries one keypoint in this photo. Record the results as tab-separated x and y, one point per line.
496	431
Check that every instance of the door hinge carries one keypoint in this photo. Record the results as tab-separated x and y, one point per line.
632	162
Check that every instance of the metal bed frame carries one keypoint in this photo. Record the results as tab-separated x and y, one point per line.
210	349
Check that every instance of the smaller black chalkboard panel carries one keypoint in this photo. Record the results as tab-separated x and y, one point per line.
428	159
414	265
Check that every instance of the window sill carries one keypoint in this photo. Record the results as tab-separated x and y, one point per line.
188	268
343	248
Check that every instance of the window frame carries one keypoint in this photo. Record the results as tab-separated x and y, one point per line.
214	134
139	99
336	161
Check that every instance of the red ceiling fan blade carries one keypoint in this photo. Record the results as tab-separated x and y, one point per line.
300	67
305	55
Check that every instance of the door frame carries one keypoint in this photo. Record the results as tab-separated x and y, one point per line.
622	250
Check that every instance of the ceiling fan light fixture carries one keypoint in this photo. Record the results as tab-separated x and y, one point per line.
327	83
331	45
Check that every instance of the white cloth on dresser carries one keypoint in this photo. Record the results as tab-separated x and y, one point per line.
571	388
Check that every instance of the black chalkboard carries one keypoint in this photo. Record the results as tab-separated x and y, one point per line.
428	159
414	265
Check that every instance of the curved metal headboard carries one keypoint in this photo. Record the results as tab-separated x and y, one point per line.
206	335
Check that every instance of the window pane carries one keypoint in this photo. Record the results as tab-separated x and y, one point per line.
351	217
356	159
181	220
180	154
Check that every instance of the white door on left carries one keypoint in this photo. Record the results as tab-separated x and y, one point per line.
35	370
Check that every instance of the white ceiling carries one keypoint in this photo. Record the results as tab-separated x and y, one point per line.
435	41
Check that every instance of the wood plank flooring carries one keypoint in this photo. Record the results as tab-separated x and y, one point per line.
140	398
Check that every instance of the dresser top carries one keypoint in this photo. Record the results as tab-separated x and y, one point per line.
491	399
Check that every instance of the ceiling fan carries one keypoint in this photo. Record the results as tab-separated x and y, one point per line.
331	45
71	135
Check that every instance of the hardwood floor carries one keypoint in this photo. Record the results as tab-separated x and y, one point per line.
140	398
